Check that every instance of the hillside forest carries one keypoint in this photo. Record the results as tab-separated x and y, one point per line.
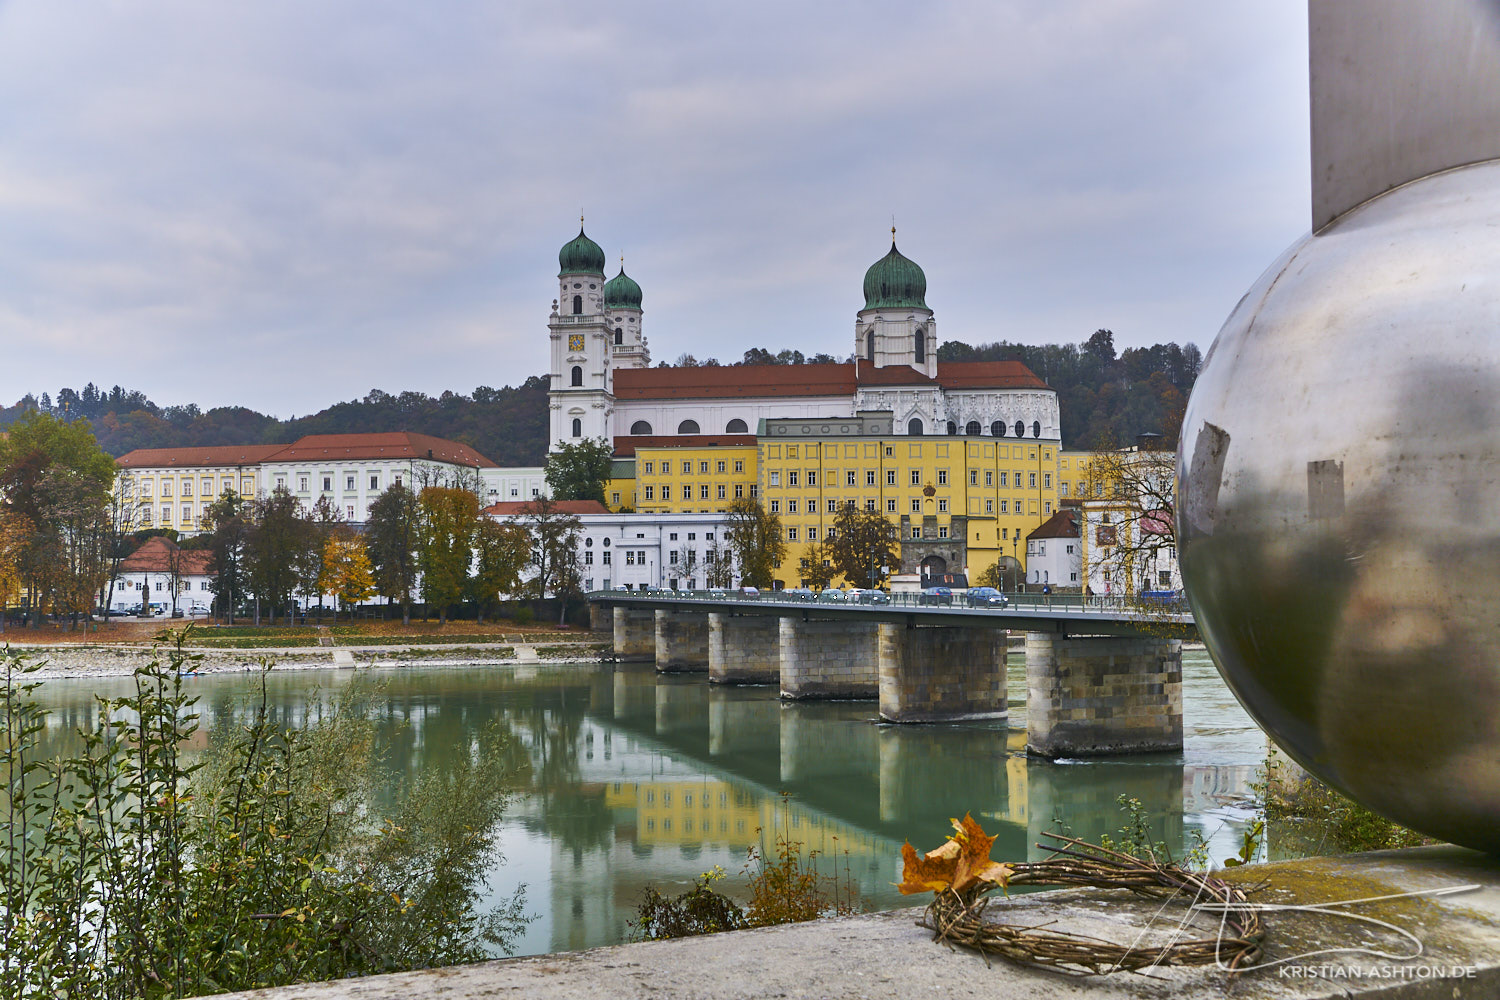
1106	398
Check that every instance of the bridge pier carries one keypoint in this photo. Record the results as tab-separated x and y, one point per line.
743	649
741	721
601	617
941	674
829	659
681	640
635	634
1091	695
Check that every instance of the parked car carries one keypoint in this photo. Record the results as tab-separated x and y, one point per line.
797	594
869	597
986	597
112	612
937	595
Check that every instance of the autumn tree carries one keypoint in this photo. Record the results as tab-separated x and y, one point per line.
273	545
14	531
757	540
578	470
345	569
55	477
392	533
449	518
816	566
1129	510
683	563
718	565
226	523
501	552
320	524
554	548
862	546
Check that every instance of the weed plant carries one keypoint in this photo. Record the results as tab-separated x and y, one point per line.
138	868
1308	818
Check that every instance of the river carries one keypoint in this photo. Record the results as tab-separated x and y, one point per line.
641	779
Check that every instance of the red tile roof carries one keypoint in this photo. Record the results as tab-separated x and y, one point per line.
734	380
213	456
392	444
812	380
1063	524
626	444
155	556
559	506
987	375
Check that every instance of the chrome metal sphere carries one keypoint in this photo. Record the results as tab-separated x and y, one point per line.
1338	512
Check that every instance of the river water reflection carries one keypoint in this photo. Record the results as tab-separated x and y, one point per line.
642	779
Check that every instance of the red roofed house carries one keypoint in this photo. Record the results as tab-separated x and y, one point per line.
150	573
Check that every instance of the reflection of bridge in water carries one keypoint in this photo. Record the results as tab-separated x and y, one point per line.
890	783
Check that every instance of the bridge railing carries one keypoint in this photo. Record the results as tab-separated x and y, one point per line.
1081	604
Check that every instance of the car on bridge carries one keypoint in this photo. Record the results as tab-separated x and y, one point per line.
833	595
797	594
986	597
869	597
750	593
936	595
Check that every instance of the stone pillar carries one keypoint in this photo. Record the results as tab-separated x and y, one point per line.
601	617
681	640
829	659
1102	694
941	674
743	649
635	634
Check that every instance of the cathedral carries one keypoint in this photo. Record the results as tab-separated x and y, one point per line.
603	385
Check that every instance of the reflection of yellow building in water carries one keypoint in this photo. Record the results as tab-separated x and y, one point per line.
721	813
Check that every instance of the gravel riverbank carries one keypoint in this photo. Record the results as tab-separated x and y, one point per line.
113	661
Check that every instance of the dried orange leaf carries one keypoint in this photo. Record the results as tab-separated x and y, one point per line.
924	873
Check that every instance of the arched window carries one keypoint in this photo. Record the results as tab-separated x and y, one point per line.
640	427
1020	429
952	428
1036	428
997	429
688	427
578	305
921	347
972	428
914	425
577	427
619	336
577	375
736	426
870	346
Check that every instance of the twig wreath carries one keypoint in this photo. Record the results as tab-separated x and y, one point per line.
961	874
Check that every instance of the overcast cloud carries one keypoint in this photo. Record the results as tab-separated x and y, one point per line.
286	204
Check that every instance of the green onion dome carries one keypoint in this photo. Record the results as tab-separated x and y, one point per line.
580	255
621	292
894	282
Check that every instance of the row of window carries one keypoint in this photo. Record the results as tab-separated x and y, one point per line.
205	486
809	477
641	427
350	481
721	466
720	491
182	588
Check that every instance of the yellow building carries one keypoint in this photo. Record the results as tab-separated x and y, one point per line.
970	501
703	476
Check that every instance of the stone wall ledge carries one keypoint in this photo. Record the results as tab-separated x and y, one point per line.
886	955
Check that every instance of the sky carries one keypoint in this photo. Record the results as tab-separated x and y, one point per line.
288	203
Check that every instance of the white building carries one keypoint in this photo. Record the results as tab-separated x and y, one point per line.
670	551
149	575
172	487
1054	553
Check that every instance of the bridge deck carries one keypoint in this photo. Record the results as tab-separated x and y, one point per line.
1058	614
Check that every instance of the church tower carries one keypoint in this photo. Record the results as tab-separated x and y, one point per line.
895	327
622	309
581	398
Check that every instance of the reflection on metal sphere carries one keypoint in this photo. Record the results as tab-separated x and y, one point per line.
1339	504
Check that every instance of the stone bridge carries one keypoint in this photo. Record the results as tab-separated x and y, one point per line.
1101	678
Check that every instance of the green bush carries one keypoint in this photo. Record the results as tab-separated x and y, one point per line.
523	616
135	870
